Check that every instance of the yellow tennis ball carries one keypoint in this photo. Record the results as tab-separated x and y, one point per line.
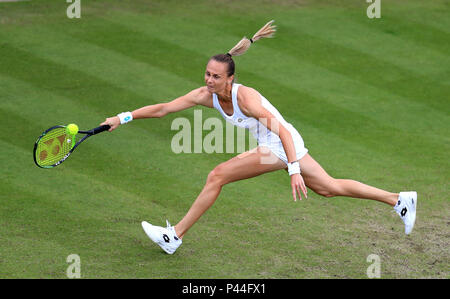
72	129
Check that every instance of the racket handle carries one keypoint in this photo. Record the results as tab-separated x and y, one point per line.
100	129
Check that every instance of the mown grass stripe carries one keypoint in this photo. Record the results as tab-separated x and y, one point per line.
373	72
44	74
372	38
112	67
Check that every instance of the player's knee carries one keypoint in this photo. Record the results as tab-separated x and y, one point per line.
217	176
325	193
331	189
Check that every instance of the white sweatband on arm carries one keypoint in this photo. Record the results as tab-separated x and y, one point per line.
125	117
294	168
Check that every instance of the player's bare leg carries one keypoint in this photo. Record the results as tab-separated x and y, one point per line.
243	166
317	179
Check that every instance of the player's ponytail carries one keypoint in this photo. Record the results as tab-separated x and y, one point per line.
242	46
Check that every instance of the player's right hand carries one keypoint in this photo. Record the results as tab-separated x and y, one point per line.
113	122
298	184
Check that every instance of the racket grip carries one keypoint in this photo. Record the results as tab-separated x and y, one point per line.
100	129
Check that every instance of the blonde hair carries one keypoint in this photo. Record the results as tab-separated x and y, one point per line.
242	46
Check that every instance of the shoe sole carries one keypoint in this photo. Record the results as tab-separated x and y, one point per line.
414	208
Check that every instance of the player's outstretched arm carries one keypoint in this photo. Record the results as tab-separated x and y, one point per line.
199	96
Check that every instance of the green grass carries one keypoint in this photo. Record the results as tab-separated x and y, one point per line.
369	96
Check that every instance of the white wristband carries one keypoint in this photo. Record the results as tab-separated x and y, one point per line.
294	168
125	117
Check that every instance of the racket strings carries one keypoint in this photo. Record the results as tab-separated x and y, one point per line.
53	146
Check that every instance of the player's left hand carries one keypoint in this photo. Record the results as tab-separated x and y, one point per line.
298	184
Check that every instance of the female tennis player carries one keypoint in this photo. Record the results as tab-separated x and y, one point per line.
280	146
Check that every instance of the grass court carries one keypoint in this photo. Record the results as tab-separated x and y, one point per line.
370	97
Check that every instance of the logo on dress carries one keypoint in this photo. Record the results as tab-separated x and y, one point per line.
240	119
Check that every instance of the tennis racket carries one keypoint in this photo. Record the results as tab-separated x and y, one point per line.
56	144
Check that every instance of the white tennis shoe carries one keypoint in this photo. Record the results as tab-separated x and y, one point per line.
166	238
406	209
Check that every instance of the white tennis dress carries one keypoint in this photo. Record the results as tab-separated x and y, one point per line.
264	136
